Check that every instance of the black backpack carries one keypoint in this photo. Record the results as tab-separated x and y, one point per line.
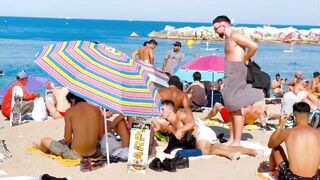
258	78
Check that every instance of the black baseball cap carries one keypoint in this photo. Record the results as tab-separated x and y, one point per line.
177	43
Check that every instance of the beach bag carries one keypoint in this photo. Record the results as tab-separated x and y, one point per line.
314	120
258	78
39	112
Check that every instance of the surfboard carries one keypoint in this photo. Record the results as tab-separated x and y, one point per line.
16	100
139	146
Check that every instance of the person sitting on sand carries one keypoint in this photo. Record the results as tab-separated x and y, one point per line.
302	144
60	103
315	82
27	101
300	90
196	91
175	94
84	128
206	139
291	84
145	53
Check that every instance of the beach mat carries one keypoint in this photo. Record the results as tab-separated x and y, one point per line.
252	145
267	176
220	123
65	162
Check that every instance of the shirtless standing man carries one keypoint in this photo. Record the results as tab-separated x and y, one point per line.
180	99
236	93
276	86
145	53
302	144
206	139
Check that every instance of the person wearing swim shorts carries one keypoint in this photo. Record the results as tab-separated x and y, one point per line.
237	93
302	142
84	128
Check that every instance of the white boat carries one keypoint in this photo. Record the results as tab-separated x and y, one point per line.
208	49
288	51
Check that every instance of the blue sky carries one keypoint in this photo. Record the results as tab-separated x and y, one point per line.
300	12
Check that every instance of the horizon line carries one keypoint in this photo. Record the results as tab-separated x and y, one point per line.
199	22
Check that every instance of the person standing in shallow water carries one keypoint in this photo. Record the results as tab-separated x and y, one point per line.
237	94
173	59
145	52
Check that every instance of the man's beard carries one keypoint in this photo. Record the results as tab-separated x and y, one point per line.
221	35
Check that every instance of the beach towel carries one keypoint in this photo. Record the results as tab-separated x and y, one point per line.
267	176
65	162
186	153
220	123
20	178
252	145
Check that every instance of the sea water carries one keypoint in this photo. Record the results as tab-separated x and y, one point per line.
22	38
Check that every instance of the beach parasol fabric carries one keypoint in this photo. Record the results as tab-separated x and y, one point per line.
156	75
102	75
210	67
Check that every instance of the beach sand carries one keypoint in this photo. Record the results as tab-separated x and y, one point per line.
23	163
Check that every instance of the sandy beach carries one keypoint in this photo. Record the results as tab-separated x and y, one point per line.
24	163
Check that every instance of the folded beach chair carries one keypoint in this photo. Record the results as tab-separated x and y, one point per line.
16	105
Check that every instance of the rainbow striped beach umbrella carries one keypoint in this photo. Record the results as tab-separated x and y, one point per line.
158	77
101	75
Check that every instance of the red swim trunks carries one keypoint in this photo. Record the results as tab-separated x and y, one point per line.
224	114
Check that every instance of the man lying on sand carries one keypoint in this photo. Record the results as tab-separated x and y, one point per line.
206	139
175	94
84	128
302	144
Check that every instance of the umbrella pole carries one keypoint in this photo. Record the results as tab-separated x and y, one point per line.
212	91
106	136
211	98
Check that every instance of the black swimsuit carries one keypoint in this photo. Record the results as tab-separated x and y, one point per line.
284	173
